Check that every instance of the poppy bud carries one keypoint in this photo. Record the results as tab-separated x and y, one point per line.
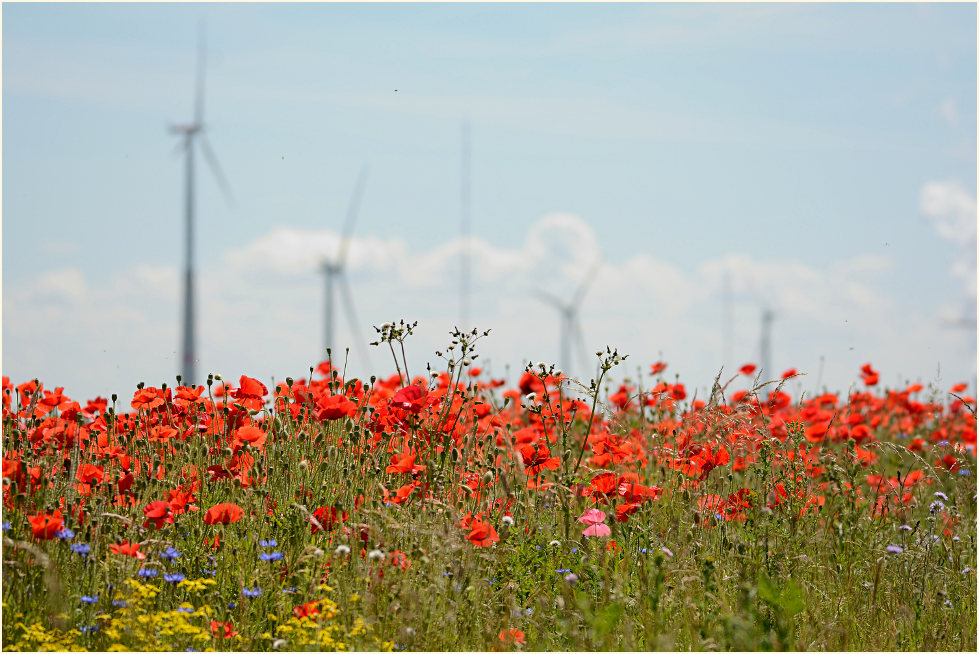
488	477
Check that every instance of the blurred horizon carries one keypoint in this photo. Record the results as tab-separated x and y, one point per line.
817	160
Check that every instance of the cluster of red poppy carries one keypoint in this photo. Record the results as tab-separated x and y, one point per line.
536	434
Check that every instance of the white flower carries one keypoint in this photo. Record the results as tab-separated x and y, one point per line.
554	543
342	550
375	555
508	521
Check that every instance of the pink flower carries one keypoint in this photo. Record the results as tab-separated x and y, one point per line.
592	517
597	530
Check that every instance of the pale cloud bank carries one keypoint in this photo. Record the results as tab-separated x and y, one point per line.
952	211
261	310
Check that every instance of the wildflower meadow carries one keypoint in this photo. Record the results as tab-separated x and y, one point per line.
442	509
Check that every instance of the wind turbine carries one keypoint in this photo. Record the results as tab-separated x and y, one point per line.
191	133
464	202
767	316
570	325
332	270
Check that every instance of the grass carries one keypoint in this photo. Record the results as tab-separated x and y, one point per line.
442	513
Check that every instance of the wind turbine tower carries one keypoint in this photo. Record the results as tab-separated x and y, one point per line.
570	325
190	134
767	316
465	278
333	274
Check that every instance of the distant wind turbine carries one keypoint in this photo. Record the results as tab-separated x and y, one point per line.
464	201
190	133
333	273
570	325
767	316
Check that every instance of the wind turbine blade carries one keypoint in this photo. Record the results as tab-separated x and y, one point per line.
553	300
216	168
583	287
199	96
348	308
348	227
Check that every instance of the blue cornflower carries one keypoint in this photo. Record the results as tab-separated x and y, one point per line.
86	630
231	605
268	543
120	603
561	571
964	473
213	573
943	443
80	548
147	572
172	554
941	495
643	550
6	525
90	599
290	589
251	592
270	556
65	534
185	609
894	549
176	577
574	550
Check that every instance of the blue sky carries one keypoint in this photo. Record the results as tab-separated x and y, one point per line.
824	156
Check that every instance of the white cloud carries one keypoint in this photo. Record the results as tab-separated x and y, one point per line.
261	311
952	211
65	284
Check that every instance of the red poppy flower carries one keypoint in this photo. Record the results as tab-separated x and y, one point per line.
147	398
159	513
222	629
791	372
248	387
869	375
400	560
334	407
128	549
45	526
482	534
537	457
225	514
512	636
403	463
748	369
251	435
328	517
306	610
657	368
410	398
